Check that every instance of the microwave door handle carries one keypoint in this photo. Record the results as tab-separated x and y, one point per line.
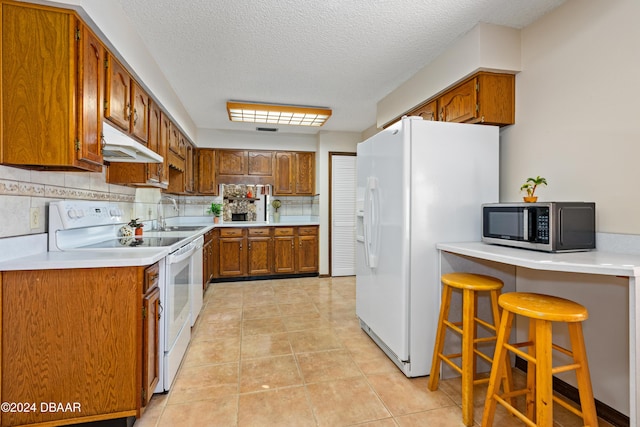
525	224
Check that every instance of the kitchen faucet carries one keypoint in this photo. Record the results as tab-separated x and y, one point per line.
161	221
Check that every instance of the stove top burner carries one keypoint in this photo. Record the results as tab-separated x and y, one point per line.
123	242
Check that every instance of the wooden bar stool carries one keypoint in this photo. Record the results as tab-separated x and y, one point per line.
542	311
470	284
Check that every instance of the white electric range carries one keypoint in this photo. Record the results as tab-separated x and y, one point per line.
98	226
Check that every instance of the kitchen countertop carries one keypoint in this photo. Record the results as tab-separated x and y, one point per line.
123	257
592	262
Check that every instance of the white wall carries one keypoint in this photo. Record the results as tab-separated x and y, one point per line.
485	47
214	138
576	110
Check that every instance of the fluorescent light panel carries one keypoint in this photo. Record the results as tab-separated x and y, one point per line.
277	114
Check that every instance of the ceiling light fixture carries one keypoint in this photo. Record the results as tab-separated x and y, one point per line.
295	115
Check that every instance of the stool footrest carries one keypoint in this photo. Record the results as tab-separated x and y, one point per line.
485	324
565	368
484	356
455	326
447	359
481	381
562	350
514	411
515	349
567	406
485	339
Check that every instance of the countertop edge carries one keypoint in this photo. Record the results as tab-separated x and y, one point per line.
590	262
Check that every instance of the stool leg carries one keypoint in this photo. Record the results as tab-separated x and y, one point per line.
544	382
531	374
434	376
587	403
499	358
507	380
468	355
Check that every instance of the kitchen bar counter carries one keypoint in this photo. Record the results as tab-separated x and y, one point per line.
592	262
605	282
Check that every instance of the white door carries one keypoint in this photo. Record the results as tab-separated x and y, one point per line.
343	219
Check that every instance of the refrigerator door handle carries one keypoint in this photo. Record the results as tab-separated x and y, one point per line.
366	220
372	213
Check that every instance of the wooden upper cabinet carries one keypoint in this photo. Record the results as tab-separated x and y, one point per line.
232	162
140	114
51	90
295	174
207	171
118	105
459	104
127	103
428	111
155	170
485	98
260	163
174	140
189	174
91	95
283	182
305	173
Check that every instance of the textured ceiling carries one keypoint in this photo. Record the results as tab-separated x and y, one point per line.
342	54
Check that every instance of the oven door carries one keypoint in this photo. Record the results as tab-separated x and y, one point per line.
178	279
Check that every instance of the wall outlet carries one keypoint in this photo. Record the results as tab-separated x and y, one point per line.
34	218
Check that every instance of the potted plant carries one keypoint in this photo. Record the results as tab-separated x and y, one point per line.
215	210
137	226
530	186
276	204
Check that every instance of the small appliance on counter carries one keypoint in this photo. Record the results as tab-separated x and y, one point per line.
547	227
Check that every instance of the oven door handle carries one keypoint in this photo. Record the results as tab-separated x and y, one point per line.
181	254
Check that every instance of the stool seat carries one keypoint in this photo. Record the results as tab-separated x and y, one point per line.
543	307
471	281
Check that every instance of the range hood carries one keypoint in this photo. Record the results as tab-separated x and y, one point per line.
118	147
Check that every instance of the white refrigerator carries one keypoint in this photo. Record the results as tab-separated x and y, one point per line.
418	183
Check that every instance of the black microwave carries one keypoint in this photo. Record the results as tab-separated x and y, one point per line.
548	226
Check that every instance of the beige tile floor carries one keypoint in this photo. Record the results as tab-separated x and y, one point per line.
291	353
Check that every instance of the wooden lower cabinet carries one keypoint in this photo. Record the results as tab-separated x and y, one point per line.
264	251
207	258
151	310
284	242
260	252
232	261
78	336
307	249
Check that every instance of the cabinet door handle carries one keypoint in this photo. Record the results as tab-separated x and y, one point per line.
127	111
135	116
161	310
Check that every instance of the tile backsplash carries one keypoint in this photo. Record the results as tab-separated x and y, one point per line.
27	193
